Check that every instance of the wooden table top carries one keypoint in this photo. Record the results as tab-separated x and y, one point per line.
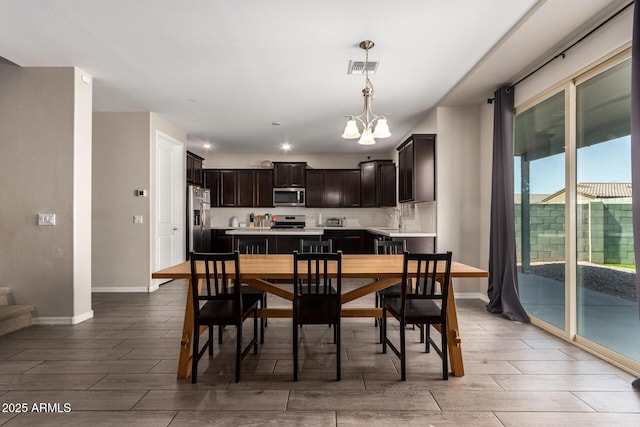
353	266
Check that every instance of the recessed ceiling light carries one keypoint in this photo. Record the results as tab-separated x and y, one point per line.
206	145
286	147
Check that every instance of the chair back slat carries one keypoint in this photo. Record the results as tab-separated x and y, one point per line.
426	274
252	246
390	247
316	246
320	267
220	270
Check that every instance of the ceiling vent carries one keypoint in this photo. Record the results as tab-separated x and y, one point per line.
357	67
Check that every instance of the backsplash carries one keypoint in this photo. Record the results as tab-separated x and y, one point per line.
365	217
415	217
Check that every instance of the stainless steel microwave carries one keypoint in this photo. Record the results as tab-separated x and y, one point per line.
288	197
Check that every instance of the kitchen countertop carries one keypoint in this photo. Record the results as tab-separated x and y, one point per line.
319	231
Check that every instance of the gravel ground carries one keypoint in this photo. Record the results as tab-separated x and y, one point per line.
616	281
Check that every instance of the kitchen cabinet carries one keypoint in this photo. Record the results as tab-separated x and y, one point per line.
277	244
220	241
211	180
416	168
315	188
194	169
263	188
246	188
417	245
377	183
289	174
333	188
347	241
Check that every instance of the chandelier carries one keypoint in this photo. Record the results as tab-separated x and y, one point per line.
367	118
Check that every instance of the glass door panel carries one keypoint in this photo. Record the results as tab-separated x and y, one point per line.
539	172
607	308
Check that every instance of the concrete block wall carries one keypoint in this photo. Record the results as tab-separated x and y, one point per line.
605	232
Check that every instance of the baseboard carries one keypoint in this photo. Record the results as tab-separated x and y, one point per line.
62	320
124	289
472	295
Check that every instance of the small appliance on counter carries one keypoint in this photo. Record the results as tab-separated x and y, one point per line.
233	221
334	222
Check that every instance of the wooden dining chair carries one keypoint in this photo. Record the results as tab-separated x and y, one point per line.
420	305
320	303
215	304
249	293
387	247
316	246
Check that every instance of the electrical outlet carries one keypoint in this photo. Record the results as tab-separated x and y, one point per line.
47	219
138	219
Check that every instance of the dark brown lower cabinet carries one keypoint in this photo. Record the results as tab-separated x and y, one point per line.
347	241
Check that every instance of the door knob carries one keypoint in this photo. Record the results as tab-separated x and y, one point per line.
175	228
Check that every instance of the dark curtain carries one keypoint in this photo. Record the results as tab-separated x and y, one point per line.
635	144
503	277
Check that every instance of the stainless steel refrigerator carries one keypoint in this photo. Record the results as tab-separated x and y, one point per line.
198	219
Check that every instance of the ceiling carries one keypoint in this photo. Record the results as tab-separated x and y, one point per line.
224	71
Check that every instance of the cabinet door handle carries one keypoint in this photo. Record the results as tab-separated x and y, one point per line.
175	228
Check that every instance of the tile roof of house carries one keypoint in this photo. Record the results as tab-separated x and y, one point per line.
599	190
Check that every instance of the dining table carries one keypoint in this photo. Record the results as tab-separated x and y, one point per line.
262	271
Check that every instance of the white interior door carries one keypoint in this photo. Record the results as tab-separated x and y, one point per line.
170	223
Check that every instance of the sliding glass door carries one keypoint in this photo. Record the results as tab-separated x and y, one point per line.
539	144
573	212
607	310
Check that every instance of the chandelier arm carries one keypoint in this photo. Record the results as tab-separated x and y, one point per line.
367	117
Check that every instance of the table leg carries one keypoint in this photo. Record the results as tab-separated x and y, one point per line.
454	342
186	344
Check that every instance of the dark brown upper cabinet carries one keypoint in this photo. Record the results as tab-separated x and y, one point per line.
289	174
333	188
194	169
377	183
246	188
417	168
211	180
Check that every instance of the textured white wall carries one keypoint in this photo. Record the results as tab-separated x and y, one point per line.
38	138
615	35
120	165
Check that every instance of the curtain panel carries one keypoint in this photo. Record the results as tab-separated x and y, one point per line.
503	274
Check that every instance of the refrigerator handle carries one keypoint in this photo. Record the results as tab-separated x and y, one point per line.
203	216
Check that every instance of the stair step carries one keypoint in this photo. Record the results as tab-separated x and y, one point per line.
14	317
4	296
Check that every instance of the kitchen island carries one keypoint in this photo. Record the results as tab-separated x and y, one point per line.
348	239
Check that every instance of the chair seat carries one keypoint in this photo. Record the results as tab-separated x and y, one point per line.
252	294
222	312
417	310
312	291
395	290
391	291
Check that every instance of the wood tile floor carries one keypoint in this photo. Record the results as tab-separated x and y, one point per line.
119	369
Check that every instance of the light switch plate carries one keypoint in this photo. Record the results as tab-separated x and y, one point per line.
137	219
47	219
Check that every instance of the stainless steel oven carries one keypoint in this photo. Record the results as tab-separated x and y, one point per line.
288	197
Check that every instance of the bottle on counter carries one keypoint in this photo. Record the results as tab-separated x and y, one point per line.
251	220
